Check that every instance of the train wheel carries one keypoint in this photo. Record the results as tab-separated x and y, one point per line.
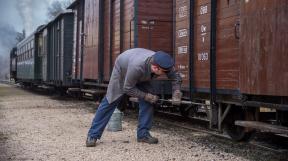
238	133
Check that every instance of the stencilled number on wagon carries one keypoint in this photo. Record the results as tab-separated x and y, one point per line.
203	33
183	76
203	10
182	11
182	67
182	33
203	28
203	56
182	49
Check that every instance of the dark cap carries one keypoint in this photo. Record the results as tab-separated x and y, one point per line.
163	60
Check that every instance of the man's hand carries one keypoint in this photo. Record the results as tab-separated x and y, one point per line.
151	98
176	97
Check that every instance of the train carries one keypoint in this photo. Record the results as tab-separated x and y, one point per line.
230	53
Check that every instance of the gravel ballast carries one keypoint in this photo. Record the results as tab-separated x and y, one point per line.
35	126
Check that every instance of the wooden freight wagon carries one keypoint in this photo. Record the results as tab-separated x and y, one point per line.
193	45
232	53
113	26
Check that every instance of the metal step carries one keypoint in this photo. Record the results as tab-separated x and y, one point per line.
93	91
265	127
74	90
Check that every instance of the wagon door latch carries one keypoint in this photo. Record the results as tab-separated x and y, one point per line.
237	30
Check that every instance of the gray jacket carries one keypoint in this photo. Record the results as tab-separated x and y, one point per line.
132	68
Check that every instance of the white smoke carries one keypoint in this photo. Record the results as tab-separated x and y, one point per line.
25	11
7	42
17	15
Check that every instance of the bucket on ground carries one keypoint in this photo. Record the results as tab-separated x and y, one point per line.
115	122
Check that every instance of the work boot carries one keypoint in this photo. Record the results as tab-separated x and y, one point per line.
90	142
148	139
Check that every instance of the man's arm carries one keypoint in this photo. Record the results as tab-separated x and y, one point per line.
132	76
176	86
177	80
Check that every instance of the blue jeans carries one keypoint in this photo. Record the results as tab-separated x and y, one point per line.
105	111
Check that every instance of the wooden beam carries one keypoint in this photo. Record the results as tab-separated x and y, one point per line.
263	126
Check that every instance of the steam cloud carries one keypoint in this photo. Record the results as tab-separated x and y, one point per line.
7	42
25	8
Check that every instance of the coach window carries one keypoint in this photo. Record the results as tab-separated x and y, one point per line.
24	49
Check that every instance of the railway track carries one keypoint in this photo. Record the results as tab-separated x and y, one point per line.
273	143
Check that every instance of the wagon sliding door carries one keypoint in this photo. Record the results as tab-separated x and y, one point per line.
264	40
91	43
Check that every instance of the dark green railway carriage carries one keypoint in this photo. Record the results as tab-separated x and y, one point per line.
60	50
29	60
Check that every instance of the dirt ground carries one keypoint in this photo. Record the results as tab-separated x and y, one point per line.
36	126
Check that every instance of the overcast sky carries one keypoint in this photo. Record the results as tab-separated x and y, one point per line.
26	14
17	15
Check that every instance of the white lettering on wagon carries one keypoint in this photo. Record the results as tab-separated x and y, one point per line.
182	33
203	10
182	49
182	67
203	30
203	56
183	76
182	12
